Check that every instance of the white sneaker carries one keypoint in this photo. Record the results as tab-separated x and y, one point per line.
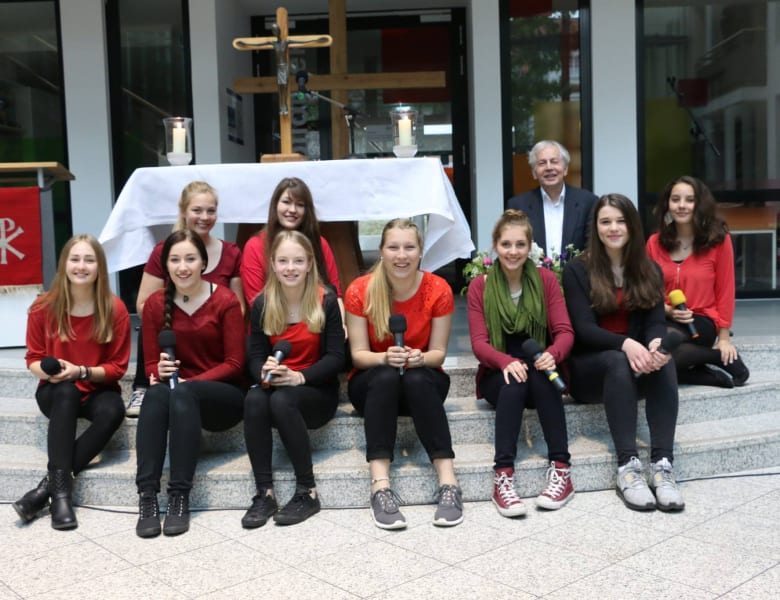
661	480
632	487
134	406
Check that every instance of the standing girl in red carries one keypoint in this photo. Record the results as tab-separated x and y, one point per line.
392	379
78	345
694	250
292	208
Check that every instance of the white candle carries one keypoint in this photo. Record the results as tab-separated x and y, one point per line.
179	140
404	131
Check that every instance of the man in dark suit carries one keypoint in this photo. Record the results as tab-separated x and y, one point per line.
558	212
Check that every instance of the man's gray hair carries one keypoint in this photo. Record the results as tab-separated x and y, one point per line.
541	145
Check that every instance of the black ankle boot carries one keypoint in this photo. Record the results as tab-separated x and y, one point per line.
148	515
60	486
177	519
33	502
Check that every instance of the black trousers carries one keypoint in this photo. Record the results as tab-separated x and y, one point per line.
381	394
140	380
61	403
184	411
293	410
510	399
606	376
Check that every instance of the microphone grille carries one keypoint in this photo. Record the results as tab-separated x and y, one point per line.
531	347
283	346
397	323
167	338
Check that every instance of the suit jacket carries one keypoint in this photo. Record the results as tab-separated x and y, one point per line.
576	215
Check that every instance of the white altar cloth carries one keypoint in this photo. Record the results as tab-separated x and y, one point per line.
343	190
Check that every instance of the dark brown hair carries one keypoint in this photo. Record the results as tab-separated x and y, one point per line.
182	235
642	282
310	226
708	229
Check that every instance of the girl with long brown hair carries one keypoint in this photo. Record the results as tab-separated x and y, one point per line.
78	346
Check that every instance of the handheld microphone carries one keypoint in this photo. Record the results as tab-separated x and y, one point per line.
670	342
50	365
398	328
281	350
167	341
532	348
677	299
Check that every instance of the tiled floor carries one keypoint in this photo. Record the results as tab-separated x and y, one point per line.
726	544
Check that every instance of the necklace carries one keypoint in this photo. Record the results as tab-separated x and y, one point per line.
185	298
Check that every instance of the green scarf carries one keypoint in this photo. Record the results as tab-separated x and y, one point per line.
503	317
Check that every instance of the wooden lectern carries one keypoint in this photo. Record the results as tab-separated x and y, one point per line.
15	300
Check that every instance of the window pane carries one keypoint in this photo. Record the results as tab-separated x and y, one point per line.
711	110
544	56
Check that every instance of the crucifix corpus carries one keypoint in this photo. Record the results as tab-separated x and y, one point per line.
281	43
339	81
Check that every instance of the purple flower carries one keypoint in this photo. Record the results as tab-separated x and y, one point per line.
547	261
487	261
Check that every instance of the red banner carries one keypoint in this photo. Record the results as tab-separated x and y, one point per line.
20	237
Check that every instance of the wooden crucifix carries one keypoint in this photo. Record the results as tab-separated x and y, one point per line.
281	43
339	81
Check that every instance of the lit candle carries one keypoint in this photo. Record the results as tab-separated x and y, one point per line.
179	140
404	131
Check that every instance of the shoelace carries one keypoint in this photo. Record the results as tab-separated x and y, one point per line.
176	505
389	500
137	398
556	482
633	474
447	495
259	502
149	507
506	490
666	476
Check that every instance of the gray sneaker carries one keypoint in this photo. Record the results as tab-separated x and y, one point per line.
632	487
449	512
661	480
134	406
385	511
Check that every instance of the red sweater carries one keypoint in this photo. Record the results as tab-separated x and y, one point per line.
254	267
228	267
83	350
559	328
209	343
706	278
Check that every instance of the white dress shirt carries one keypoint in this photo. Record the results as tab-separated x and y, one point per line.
553	222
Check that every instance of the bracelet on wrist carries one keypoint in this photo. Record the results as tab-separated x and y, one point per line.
82	372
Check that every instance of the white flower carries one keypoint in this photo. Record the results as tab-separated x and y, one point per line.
536	254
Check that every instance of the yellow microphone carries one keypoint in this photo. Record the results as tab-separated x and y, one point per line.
677	300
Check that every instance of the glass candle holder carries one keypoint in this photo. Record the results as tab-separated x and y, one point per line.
178	140
404	121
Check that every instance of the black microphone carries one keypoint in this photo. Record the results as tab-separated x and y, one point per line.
677	299
281	350
398	328
670	342
50	365
532	348
167	341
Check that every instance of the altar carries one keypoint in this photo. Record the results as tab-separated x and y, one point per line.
343	190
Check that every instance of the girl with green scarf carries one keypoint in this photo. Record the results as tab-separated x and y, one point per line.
516	302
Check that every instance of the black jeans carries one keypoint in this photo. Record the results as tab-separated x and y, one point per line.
293	410
185	410
380	394
509	400
61	403
606	376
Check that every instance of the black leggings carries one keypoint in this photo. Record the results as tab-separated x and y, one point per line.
62	404
140	380
293	410
380	394
606	376
185	410
509	400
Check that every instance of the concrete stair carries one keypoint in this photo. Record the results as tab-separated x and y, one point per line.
718	431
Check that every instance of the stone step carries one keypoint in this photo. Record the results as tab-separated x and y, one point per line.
471	420
224	480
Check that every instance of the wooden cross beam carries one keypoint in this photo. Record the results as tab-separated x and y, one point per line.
281	43
339	81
